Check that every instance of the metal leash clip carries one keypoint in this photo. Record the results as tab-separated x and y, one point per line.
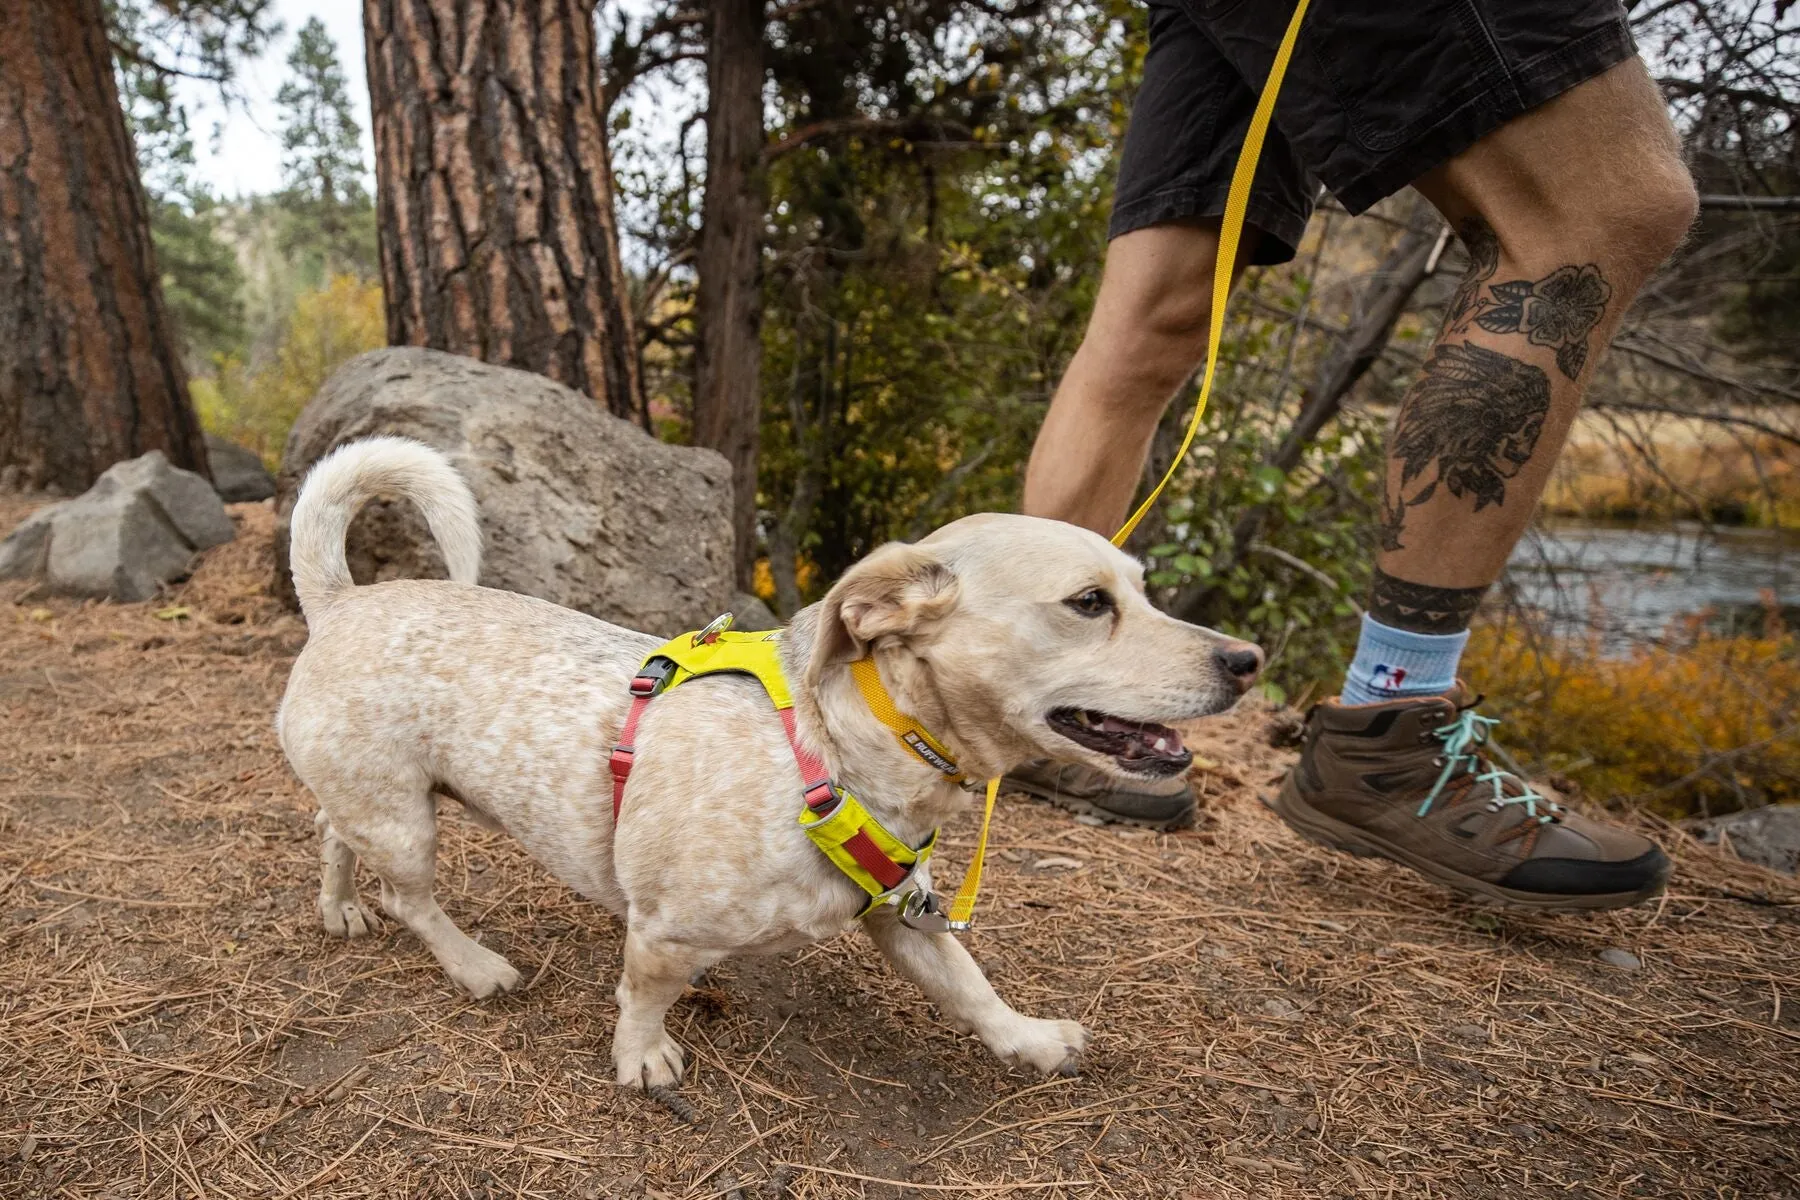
922	910
714	628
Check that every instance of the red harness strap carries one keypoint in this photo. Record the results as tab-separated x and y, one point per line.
814	778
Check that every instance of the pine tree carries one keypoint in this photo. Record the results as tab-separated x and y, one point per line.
332	216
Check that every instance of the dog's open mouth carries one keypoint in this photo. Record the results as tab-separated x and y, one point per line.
1142	747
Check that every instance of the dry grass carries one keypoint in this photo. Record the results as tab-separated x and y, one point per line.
1271	1019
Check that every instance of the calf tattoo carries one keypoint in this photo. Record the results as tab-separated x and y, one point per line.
1421	608
1470	423
1559	311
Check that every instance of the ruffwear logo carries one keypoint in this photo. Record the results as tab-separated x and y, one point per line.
924	751
1388	679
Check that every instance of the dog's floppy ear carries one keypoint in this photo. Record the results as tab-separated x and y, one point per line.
896	591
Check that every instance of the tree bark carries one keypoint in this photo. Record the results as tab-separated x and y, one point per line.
89	369
728	358
494	190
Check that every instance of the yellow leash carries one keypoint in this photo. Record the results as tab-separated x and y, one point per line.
1231	230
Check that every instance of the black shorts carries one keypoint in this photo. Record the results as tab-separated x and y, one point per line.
1378	93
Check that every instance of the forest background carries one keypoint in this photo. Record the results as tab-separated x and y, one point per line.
852	246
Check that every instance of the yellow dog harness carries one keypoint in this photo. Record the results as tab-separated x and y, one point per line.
874	859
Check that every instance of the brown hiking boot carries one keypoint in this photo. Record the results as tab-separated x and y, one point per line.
1407	780
1154	804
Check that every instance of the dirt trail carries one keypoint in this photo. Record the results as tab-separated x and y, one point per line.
1270	1019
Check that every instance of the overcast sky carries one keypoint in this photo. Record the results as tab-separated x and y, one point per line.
245	155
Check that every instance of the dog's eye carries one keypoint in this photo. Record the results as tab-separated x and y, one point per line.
1095	602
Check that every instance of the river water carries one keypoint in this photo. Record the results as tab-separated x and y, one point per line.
1632	582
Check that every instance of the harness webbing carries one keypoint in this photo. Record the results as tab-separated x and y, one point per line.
856	843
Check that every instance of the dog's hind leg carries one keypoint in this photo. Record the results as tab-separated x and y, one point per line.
948	976
339	906
654	976
393	827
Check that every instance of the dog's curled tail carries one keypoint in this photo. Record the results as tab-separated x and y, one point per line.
356	472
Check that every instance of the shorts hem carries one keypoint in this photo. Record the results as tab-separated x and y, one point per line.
1532	85
1281	226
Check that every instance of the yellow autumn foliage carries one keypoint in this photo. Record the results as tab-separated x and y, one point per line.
255	406
1707	723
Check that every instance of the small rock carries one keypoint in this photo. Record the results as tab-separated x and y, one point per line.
1058	862
1625	960
27	1147
1281	1008
1768	837
138	527
238	474
1088	819
1525	1131
1474	1034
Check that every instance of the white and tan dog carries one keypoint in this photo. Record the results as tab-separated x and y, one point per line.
1010	638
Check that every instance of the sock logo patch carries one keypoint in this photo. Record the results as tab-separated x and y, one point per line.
1387	678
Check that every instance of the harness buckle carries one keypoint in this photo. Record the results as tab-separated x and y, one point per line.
820	797
922	910
620	761
653	677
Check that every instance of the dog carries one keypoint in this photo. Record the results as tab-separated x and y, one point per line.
1010	638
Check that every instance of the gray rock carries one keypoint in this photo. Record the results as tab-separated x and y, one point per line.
138	527
1625	960
752	615
1768	837
577	506
238	474
1282	1009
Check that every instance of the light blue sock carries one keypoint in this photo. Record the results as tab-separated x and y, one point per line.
1391	664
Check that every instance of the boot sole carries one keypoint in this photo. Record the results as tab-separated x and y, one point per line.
1087	808
1315	826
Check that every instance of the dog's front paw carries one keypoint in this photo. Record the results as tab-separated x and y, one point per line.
657	1065
480	972
1052	1047
347	918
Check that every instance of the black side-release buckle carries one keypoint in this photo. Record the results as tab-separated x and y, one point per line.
653	677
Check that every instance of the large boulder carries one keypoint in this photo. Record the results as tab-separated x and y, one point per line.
137	528
577	506
1768	837
238	474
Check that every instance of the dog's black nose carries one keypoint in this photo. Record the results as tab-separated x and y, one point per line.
1240	660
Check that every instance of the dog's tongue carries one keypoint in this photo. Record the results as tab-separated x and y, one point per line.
1157	739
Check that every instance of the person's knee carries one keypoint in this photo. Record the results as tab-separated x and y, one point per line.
1135	355
1646	217
1148	331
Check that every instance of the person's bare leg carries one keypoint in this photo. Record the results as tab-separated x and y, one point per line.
1146	335
1566	211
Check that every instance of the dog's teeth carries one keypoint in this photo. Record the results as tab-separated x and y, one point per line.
1161	745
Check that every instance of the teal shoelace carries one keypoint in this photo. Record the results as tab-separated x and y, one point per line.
1463	739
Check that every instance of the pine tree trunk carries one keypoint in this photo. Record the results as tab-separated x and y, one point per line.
89	369
494	197
728	360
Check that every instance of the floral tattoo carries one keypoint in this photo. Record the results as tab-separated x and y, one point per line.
1559	311
1470	423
